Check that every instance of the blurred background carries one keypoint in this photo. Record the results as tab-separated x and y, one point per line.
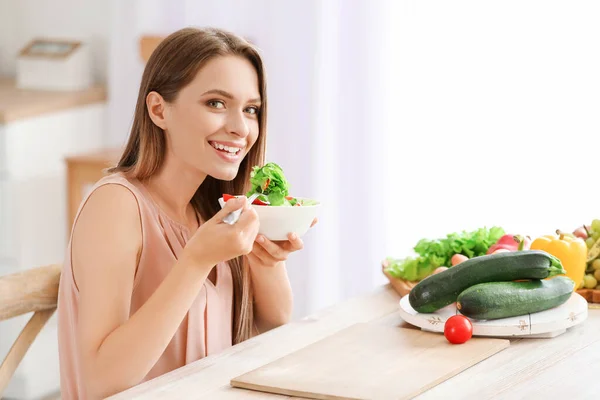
407	119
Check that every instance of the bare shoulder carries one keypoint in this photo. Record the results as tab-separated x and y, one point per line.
107	236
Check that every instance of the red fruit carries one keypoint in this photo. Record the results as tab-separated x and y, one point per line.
505	242
580	233
458	329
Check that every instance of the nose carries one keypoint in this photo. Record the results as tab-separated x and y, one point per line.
237	124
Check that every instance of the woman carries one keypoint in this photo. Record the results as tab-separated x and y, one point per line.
153	278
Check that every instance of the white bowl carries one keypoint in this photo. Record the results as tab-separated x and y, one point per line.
276	222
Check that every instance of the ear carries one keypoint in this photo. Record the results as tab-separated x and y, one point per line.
156	109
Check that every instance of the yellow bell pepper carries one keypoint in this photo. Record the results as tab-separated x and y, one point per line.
570	250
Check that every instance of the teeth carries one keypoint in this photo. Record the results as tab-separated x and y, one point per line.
228	149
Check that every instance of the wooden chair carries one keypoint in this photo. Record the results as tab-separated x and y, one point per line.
34	290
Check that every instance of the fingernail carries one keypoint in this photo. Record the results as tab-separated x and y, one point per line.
293	236
260	239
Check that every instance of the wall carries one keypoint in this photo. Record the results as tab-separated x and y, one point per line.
21	21
492	114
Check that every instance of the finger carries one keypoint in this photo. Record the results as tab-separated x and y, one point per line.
247	219
263	256
294	243
230	206
277	251
314	222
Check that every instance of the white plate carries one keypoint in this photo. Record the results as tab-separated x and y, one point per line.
544	324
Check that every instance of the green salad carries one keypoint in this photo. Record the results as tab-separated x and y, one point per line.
270	182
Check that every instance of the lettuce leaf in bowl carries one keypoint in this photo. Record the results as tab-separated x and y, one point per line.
270	181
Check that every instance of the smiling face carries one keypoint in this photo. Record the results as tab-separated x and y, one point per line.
214	120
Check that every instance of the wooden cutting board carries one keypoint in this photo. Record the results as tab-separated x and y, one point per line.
368	361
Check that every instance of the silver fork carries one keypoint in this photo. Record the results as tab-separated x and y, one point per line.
232	217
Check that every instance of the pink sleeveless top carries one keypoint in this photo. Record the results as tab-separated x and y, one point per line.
162	240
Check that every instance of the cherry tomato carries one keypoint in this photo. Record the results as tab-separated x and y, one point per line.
259	202
227	197
458	329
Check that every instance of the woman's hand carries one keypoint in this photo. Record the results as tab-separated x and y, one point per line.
268	253
216	241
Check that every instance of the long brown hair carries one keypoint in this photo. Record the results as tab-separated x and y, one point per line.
172	66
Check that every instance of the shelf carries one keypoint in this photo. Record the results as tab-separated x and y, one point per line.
17	104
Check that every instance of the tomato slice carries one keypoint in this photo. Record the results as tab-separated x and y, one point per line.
458	329
259	202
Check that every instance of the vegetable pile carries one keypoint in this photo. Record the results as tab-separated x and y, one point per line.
489	275
438	253
494	286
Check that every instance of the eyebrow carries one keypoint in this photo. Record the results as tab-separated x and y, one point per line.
228	95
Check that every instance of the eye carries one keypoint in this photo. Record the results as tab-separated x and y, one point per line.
216	104
252	110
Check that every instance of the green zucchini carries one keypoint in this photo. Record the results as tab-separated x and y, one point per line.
494	300
439	290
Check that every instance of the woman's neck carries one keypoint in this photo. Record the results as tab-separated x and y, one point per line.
173	187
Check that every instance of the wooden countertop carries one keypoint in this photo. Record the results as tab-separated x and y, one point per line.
16	104
561	367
